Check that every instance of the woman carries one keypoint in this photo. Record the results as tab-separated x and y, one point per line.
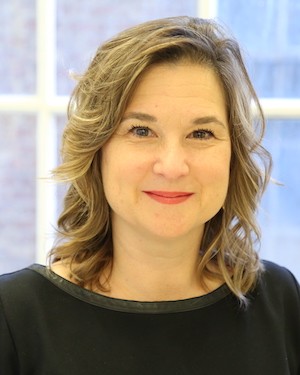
157	271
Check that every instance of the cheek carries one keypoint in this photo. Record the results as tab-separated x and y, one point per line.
214	186
109	170
216	169
119	170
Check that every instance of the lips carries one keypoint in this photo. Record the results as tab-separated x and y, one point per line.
168	197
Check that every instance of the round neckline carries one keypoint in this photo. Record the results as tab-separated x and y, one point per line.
130	306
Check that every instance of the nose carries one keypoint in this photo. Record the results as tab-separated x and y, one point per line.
171	161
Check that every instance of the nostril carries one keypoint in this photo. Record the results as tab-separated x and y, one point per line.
171	167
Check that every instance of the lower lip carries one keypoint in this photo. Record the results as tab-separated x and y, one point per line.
166	199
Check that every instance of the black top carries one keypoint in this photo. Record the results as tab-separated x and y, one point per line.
49	326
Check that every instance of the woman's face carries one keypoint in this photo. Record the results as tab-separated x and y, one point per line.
166	169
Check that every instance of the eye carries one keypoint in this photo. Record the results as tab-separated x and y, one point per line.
201	134
141	131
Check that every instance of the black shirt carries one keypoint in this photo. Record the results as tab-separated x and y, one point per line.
49	326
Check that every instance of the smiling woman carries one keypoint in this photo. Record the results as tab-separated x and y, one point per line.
172	146
157	271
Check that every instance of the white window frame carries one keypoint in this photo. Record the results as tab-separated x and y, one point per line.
46	105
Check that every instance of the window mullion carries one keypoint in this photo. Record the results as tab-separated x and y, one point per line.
46	145
281	108
207	8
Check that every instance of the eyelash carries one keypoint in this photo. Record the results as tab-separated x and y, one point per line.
133	129
139	127
208	132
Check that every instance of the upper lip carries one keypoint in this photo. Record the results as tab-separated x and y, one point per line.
168	194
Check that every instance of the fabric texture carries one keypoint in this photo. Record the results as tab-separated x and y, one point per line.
49	326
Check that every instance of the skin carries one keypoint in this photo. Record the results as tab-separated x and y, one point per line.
174	138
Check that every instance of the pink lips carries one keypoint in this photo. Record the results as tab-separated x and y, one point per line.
169	197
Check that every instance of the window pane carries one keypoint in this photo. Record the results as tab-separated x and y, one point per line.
60	187
17	191
279	216
17	47
269	34
81	28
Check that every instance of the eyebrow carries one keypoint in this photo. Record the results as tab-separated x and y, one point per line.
207	120
139	116
196	121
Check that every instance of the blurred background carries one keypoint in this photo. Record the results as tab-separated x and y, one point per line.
42	41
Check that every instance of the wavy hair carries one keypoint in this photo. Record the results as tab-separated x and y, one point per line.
95	110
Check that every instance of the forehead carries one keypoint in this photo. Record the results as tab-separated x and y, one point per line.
185	86
191	79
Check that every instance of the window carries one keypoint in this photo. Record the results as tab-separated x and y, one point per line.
42	41
269	33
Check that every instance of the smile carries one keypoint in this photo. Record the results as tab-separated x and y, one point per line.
168	197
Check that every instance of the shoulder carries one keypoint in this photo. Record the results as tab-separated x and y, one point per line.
23	285
18	278
278	287
278	276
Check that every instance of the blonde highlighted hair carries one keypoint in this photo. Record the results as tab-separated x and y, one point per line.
95	110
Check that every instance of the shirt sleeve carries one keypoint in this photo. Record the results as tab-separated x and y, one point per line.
8	356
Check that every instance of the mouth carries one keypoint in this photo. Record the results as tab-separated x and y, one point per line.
169	197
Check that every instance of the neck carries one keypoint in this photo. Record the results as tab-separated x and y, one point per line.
156	269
